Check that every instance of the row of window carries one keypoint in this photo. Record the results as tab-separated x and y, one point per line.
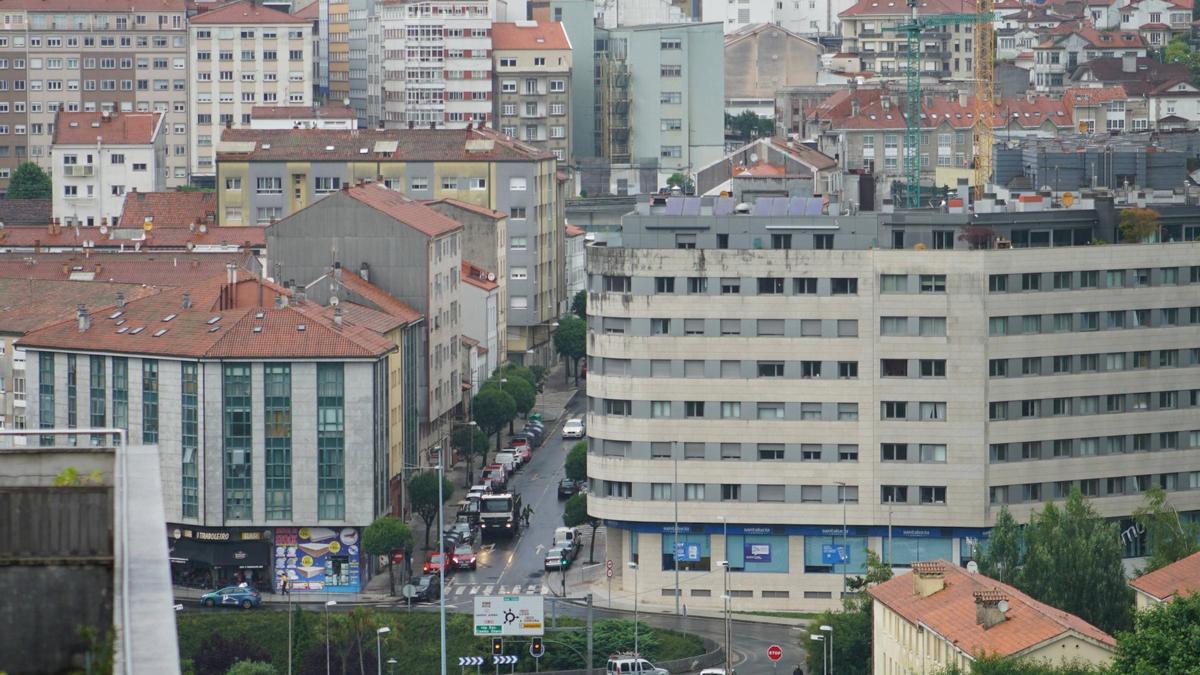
925	411
1113	486
251	55
1079	406
733	285
1113	319
1062	448
1091	279
774	493
769	452
689	368
1066	364
251	33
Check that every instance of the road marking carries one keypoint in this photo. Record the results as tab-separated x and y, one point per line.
461	590
474	589
545	590
487	590
487	548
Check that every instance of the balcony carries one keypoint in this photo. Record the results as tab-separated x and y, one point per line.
79	170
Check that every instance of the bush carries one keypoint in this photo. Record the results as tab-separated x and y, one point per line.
217	654
251	668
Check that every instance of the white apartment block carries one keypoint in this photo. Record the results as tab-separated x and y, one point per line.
243	55
97	157
90	57
793	387
437	62
806	17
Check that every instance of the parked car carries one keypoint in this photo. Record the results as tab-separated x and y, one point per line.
232	596
567	488
464	557
526	455
555	558
427	588
434	563
464	531
520	441
625	664
574	428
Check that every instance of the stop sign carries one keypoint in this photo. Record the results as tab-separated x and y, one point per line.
774	652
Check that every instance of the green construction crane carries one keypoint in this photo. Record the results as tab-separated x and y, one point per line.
912	100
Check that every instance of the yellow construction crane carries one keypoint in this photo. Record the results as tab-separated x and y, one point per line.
985	87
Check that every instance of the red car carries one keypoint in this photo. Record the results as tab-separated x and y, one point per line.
526	454
434	563
464	557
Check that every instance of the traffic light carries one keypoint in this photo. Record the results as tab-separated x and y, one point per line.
497	646
536	648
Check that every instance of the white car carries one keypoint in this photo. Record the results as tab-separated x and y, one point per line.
573	428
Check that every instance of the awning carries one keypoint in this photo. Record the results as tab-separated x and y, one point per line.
245	554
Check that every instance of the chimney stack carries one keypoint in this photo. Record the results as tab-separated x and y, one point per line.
231	272
854	107
337	271
82	316
280	302
990	606
1129	62
928	578
187	300
337	317
121	301
364	271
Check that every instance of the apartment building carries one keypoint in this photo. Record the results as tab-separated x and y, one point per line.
243	55
90	57
1157	21
806	17
270	174
532	84
269	419
796	383
1057	57
437	65
869	33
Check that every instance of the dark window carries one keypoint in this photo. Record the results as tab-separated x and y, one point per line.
823	242
893	367
894	452
804	286
238	441
781	241
845	286
770	368
331	442
933	367
664	284
770	286
149	401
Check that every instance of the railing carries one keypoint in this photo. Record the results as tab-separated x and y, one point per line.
79	170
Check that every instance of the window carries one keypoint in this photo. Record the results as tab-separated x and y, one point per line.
847	370
770	451
660	492
804	286
847	453
770	286
770	411
731	409
932	326
1062	281
1031	408
1031	365
237	444
894	452
619	489
770	493
893	367
933	452
1031	281
660	408
660	326
693	408
277	439
933	494
998	410
847	411
269	186
731	326
770	368
933	410
664	284
998	325
845	286
893	494
616	284
697	285
189	435
731	492
893	325
998	283
894	410
893	283
325	185
731	286
810	369
933	367
933	283
617	407
731	451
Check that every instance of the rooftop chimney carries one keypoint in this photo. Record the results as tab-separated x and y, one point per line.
364	271
231	272
120	300
82	316
1129	62
280	301
990	606
928	578
854	107
187	300
337	317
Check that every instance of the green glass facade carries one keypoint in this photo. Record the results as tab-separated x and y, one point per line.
277	439
238	440
331	442
149	401
120	392
45	395
97	400
190	438
72	396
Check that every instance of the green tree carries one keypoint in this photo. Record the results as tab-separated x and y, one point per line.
1168	537
1073	562
1165	639
579	305
851	626
511	370
388	534
28	181
570	341
681	181
492	408
218	653
470	441
1002	557
748	125
576	462
423	491
251	668
523	395
575	514
1004	665
1139	225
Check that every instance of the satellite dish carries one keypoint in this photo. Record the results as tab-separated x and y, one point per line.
203	228
491	276
973	567
333	301
103	229
1002	605
754	157
190	246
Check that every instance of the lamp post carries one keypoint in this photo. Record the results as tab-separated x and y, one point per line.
470	454
824	662
845	555
441	568
634	566
829	629
328	604
290	614
392	666
379	649
675	498
726	598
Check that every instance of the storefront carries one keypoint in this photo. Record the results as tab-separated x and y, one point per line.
208	557
319	559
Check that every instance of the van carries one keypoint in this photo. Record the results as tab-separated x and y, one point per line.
632	665
566	536
508	460
497	476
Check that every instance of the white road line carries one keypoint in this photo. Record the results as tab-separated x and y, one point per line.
487	590
545	590
460	590
474	590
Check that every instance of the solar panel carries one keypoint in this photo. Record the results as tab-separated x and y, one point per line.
674	206
691	206
761	207
779	206
814	207
796	206
723	206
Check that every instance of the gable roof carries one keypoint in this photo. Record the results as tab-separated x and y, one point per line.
402	209
82	128
751	30
311	11
384	302
169	209
95	5
26	304
26	211
951	613
466	206
400	145
242	12
529	35
153	269
1181	577
1148	73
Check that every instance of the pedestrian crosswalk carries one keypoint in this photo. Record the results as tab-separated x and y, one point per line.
454	589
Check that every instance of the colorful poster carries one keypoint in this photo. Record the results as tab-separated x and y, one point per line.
759	553
318	559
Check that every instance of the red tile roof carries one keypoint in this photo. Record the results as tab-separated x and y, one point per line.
1181	577
287	112
838	112
529	35
133	238
26	304
400	145
1100	39
248	329
169	209
478	277
243	12
311	11
575	231
893	7
468	206
95	5
26	211
1087	96
402	209
361	315
384	302
119	129
951	613
153	269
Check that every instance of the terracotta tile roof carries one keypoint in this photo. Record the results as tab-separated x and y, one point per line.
287	112
1181	577
1100	39
838	112
134	238
243	12
311	11
169	209
574	231
1148	75
400	145
1154	26
120	129
760	169
361	315
382	300
95	5
478	277
468	206
26	211
248	329
893	7
526	35
401	209
951	613
26	304
152	269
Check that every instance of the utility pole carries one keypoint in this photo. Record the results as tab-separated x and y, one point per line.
442	567
845	552
589	634
675	498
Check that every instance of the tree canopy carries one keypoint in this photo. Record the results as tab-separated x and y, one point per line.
388	534
1166	639
1167	535
1002	557
575	514
1139	225
576	462
423	492
470	441
570	341
28	181
492	408
579	305
851	626
1004	665
748	125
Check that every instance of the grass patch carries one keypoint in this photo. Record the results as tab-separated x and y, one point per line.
783	615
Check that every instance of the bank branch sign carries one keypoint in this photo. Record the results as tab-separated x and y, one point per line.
505	615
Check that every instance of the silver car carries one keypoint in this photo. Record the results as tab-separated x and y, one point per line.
574	428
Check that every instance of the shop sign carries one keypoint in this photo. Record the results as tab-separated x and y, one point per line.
757	552
318	559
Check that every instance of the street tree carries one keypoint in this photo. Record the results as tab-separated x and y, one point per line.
570	341
680	180
523	394
1139	225
1073	562
576	463
511	370
1009	665
575	514
388	534
492	408
423	491
1165	639
851	626
1001	558
471	441
1168	537
749	125
29	181
579	305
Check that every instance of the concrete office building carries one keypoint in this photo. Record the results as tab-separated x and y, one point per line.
780	377
91	56
243	55
270	421
532	87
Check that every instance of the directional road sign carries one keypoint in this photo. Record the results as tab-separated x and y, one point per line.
503	660
774	652
470	661
504	615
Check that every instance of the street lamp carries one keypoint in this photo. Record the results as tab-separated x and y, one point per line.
727	598
328	604
379	649
824	663
441	567
829	629
470	452
845	553
392	663
634	566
